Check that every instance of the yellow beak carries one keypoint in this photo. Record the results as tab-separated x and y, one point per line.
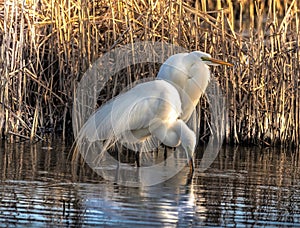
217	61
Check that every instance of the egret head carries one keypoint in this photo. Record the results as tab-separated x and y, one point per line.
207	59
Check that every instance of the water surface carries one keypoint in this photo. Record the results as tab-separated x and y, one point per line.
243	187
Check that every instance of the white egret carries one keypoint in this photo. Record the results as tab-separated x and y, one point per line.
156	110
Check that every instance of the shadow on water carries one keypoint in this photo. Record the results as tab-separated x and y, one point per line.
244	186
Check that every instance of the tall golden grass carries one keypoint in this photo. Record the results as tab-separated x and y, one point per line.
47	45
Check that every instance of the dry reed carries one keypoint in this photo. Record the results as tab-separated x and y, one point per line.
47	45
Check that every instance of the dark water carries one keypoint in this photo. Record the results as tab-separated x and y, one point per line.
243	187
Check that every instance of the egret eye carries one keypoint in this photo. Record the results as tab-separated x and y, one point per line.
203	58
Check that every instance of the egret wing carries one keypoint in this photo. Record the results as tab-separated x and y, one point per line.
126	118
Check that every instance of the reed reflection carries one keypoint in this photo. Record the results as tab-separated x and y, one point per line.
244	186
251	185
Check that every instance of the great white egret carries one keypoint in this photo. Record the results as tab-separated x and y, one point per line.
156	111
